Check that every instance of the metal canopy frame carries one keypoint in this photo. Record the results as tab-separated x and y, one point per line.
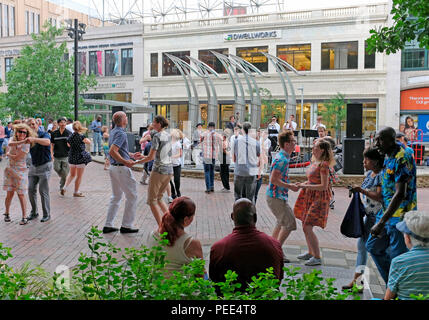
281	66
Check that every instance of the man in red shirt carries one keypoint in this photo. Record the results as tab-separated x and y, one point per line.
247	251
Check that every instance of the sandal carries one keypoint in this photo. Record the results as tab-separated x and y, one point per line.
23	221
79	194
6	217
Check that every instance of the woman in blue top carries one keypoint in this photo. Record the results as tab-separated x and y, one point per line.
371	191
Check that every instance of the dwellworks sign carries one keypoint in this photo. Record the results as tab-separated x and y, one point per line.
252	35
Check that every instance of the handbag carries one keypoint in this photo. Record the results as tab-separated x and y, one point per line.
352	225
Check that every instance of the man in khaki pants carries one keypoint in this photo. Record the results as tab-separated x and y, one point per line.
277	191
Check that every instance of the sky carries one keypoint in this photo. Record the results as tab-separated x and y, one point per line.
122	6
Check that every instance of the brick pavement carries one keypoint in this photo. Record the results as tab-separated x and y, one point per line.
60	240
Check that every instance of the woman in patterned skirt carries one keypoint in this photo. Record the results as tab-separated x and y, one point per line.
78	158
312	204
15	174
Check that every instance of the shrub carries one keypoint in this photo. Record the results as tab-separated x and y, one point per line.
107	273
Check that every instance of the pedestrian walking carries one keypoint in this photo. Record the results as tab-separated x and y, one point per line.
176	157
8	131
263	161
105	131
162	170
2	137
78	158
225	160
246	157
60	151
196	144
277	190
97	136
121	177
399	190
211	143
144	142
40	170
312	204
15	174
371	193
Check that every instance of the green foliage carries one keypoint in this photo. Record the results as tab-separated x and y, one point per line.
41	80
410	23
419	297
107	273
334	112
273	107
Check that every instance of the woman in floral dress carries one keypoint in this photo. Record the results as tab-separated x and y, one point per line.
312	204
15	174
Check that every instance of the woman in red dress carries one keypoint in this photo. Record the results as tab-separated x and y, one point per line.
312	204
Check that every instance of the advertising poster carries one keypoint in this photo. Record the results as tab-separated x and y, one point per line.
424	126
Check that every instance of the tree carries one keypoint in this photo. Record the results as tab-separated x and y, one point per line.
411	22
40	82
273	107
334	112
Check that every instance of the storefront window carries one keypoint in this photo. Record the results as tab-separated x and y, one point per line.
298	56
82	62
154	64
306	119
414	59
226	110
163	110
111	62
254	56
330	128
126	62
178	115
339	55
369	58
267	113
168	66
95	66
369	119
210	59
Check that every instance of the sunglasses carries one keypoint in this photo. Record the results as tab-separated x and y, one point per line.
22	132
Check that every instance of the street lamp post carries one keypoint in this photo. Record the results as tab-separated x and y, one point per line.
76	32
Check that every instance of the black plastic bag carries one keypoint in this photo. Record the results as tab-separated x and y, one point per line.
352	225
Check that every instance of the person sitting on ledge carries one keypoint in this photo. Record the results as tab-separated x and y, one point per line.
182	248
247	251
409	271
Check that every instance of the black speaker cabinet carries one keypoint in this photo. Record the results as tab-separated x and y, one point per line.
354	120
116	109
353	156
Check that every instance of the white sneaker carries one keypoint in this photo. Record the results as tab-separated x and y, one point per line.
170	199
304	256
313	262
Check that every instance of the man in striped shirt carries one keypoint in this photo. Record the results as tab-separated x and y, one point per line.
409	272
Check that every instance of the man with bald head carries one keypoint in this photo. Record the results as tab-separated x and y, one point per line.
121	177
246	250
399	192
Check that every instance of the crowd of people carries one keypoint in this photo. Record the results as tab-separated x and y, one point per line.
397	244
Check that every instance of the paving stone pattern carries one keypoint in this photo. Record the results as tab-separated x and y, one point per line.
60	240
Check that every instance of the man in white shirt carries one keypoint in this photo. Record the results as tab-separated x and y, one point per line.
69	125
246	157
318	123
290	124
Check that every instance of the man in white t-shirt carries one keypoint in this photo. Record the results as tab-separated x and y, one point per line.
318	123
290	124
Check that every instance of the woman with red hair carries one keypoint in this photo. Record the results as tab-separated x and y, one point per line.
181	248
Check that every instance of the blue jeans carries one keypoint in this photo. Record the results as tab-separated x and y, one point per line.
1	146
258	186
209	173
390	238
362	254
97	142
